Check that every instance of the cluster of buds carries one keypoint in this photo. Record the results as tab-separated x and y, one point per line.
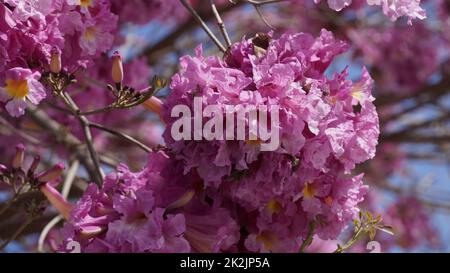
23	180
57	78
127	96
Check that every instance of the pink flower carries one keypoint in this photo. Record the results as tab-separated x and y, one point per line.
24	10
337	5
21	85
391	8
322	246
154	210
417	49
411	222
144	11
323	135
397	8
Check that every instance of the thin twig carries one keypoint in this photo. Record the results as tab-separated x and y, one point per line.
405	133
356	236
263	2
257	5
63	136
169	40
6	206
17	233
70	177
221	24
46	230
21	133
203	25
122	135
96	111
309	237
88	136
12	200
261	15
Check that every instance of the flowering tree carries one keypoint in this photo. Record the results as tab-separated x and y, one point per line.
224	126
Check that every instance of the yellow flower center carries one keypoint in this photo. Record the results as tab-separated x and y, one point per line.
274	206
332	100
89	33
329	200
268	239
85	3
18	89
254	142
308	191
357	92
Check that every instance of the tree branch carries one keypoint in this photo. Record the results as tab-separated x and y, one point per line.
121	135
169	40
203	25
221	25
87	134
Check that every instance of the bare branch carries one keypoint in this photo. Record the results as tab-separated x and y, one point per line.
61	135
122	135
203	25
17	233
168	41
222	28
87	134
261	15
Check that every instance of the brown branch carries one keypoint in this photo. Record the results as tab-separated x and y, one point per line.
221	24
168	41
422	100
203	24
405	133
98	178
443	139
399	190
438	89
122	135
17	233
72	143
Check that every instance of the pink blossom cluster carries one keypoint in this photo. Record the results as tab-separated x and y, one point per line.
327	126
162	11
154	210
412	224
416	49
215	196
82	29
394	9
159	210
143	11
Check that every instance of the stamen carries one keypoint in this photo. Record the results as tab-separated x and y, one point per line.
18	89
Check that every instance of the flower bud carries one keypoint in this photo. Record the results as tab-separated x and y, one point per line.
117	68
57	200
87	232
55	60
154	104
18	157
3	169
51	174
34	164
